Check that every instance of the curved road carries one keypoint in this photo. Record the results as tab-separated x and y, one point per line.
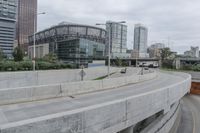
25	111
190	115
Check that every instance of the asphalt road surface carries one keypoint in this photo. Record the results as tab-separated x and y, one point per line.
190	115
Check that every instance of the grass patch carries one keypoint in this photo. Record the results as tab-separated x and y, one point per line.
103	77
175	70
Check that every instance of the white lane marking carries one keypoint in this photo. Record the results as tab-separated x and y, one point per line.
194	123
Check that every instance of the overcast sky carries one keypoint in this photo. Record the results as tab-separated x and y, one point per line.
178	20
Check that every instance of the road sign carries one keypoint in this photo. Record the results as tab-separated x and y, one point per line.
82	74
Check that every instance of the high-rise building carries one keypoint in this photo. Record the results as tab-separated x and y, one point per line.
7	26
140	40
27	10
118	39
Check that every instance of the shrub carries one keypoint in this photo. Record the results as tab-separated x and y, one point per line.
51	57
9	66
25	65
28	65
186	67
196	67
167	64
18	54
42	65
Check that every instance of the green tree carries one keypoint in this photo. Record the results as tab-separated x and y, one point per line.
165	53
51	57
18	54
1	55
118	62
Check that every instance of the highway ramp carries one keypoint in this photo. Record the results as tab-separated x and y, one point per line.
18	112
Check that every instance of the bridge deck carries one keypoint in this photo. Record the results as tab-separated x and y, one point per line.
25	111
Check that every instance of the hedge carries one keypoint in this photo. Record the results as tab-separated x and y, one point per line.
28	65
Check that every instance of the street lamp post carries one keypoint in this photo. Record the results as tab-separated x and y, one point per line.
109	42
34	30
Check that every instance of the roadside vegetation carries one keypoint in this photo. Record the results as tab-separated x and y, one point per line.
21	63
167	61
103	77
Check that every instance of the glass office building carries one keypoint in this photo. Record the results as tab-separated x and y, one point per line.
140	40
7	26
66	39
80	51
118	40
27	10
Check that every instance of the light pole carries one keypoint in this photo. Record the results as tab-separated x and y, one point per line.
34	30
109	41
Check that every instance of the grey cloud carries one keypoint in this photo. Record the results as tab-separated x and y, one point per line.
177	19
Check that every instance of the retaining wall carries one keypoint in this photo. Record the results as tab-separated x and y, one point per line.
163	124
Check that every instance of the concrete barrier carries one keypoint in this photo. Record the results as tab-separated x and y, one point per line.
32	93
75	88
108	117
23	79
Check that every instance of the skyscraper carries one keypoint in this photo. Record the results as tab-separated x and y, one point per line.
140	40
27	10
7	26
118	39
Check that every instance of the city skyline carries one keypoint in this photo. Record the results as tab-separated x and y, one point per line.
163	19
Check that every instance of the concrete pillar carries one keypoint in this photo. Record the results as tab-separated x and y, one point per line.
129	63
128	130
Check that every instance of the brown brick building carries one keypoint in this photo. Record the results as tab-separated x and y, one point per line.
25	22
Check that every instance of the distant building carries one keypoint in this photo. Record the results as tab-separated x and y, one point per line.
154	53
155	50
193	52
129	51
27	10
73	43
135	54
157	46
118	40
140	40
7	26
188	53
173	55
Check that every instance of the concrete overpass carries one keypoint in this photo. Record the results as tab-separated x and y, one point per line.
179	62
92	106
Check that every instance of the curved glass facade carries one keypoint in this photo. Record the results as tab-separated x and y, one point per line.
74	44
80	51
70	31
